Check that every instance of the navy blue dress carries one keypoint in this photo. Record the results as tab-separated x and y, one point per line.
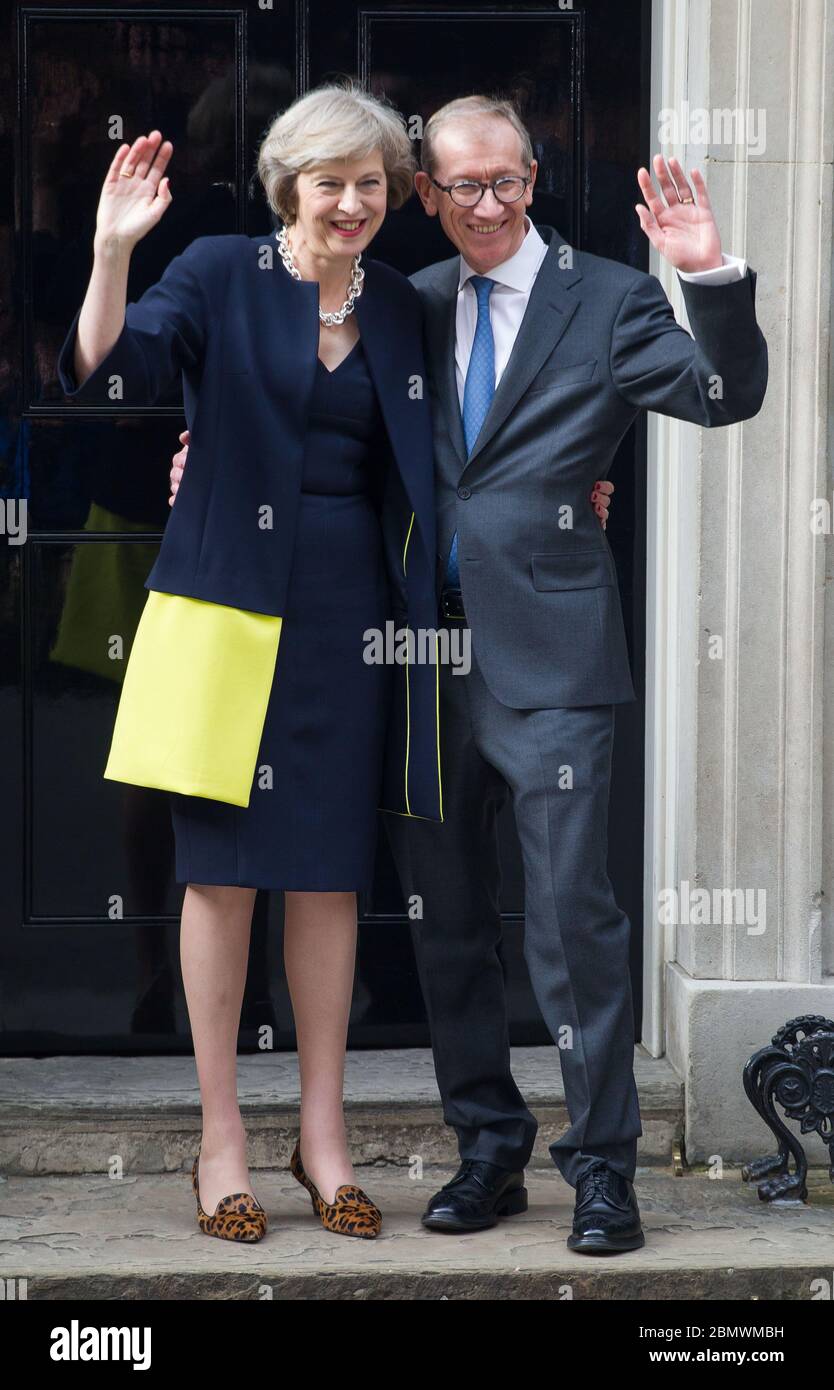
314	828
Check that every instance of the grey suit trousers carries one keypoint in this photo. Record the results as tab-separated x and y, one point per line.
555	766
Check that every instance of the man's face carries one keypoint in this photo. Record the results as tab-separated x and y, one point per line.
484	148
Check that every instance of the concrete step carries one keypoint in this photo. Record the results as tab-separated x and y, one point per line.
137	1238
64	1115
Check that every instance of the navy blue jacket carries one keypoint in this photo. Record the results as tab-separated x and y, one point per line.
244	335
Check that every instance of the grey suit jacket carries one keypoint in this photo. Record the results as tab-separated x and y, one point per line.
599	341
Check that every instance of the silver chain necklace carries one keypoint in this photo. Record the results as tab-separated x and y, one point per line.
357	275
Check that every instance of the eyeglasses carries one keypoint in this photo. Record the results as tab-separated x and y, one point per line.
467	192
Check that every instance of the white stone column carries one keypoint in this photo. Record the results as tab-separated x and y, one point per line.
739	751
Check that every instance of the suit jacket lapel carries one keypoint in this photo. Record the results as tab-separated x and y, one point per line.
553	301
551	306
294	305
390	364
440	341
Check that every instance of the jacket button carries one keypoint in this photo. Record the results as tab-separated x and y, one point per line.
464	492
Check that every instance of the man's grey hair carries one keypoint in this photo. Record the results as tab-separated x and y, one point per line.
477	108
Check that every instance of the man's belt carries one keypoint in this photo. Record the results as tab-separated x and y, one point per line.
451	604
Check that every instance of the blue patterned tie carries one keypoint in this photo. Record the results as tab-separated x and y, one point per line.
478	391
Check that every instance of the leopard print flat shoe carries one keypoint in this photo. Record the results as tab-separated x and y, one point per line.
351	1213
239	1216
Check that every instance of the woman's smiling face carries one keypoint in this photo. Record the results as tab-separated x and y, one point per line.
341	205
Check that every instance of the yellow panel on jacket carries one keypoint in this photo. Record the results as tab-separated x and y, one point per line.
194	698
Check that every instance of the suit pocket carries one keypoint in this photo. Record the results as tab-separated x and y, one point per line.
578	569
553	377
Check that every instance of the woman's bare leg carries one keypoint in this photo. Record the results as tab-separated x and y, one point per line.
320	960
214	949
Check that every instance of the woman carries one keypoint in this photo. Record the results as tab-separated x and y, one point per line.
306	519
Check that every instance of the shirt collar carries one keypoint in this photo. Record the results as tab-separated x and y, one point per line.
519	271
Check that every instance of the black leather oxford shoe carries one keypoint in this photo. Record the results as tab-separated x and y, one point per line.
606	1219
475	1197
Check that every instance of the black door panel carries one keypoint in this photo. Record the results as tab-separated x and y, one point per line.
88	940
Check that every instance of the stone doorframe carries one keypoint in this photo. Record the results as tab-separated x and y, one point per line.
738	754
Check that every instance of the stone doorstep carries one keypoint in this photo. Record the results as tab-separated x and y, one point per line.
135	1238
68	1115
148	1144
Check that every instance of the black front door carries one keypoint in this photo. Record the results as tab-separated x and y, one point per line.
88	937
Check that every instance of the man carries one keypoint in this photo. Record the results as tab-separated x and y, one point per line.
540	357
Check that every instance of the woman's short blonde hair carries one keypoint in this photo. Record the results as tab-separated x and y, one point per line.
334	121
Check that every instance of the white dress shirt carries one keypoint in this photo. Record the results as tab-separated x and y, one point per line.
508	301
